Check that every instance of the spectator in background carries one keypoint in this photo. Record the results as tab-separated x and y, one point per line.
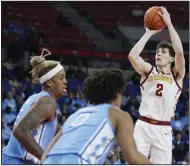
126	99
17	96
70	71
83	102
6	131
68	99
13	27
10	102
4	71
75	105
9	65
176	123
73	83
28	90
185	138
26	82
9	116
79	100
13	90
76	102
178	151
19	71
185	135
185	118
14	82
177	140
80	74
2	99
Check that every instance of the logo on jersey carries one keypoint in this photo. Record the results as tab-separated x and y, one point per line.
159	77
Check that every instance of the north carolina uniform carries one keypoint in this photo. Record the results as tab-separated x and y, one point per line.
160	93
14	152
88	137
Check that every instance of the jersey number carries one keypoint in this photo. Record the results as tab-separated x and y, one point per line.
80	119
159	89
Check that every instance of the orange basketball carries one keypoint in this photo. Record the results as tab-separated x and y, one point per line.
152	20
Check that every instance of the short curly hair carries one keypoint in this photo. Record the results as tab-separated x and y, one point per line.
103	86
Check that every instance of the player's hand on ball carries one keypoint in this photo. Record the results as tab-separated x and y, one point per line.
165	16
152	32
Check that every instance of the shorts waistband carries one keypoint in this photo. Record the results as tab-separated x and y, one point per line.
154	122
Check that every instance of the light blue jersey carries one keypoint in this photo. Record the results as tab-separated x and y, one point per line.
43	134
88	135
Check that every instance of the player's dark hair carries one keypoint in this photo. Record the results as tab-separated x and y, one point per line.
166	44
103	86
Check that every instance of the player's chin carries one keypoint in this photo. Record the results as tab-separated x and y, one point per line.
158	63
63	93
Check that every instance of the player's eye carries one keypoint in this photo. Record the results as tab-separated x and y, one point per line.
61	78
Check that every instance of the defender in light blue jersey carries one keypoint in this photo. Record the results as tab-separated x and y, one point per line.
89	134
36	123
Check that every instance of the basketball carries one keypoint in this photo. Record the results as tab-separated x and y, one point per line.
152	20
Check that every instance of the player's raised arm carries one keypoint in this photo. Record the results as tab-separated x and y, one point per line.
177	45
137	62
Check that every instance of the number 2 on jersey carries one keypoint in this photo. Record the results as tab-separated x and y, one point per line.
159	89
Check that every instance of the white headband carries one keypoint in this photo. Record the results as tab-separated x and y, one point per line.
51	73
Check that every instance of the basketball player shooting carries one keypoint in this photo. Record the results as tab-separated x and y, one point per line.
160	88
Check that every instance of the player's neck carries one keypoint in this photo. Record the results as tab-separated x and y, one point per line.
164	69
51	93
116	103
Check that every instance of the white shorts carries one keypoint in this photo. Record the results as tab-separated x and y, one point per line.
155	140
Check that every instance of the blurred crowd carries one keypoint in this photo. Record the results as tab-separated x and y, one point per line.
16	89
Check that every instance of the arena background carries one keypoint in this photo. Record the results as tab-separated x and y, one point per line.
85	36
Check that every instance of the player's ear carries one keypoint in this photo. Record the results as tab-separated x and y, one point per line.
49	83
172	59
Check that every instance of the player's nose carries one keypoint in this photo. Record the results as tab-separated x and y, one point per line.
64	81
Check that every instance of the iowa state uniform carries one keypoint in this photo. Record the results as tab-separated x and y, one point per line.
153	133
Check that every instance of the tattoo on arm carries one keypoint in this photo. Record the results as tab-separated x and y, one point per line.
41	111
